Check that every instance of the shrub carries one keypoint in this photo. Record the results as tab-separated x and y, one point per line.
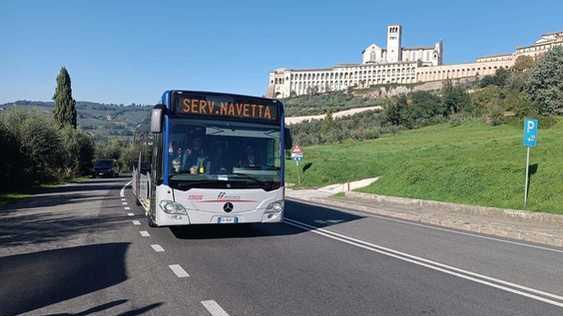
79	152
40	146
545	83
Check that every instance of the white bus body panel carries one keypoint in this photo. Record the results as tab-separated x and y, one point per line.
205	206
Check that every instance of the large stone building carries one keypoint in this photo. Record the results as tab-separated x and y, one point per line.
396	65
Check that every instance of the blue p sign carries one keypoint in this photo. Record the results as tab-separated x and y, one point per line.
530	132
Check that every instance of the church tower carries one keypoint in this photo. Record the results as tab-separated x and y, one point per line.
394	33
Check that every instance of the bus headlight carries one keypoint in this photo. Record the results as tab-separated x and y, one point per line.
276	206
172	207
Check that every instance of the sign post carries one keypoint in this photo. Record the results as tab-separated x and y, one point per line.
297	156
530	140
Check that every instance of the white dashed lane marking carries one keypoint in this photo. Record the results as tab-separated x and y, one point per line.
144	233
136	222
130	214
124	203
127	208
213	308
157	248
178	271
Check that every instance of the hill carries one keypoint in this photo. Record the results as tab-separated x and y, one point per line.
471	163
98	119
324	103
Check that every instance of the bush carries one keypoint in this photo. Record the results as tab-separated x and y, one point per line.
79	152
39	147
545	83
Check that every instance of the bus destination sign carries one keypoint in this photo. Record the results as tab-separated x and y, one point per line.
226	107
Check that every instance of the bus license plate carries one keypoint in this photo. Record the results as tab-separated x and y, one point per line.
227	220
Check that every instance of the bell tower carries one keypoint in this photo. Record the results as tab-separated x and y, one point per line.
394	33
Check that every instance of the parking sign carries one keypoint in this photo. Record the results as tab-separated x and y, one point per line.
530	132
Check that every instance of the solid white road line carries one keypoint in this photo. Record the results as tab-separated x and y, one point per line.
136	222
122	192
178	271
144	233
428	226
127	208
130	214
213	308
468	275
157	248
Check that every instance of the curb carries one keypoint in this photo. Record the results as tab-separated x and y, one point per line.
463	208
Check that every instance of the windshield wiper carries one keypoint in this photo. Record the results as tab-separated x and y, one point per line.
246	176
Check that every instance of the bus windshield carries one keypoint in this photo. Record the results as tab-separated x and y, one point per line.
223	155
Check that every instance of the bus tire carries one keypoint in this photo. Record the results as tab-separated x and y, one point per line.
151	223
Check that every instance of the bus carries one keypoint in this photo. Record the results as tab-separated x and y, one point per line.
213	158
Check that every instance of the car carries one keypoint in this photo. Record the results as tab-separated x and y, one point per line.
105	168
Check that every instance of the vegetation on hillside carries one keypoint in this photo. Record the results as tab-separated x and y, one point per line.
98	119
325	103
528	89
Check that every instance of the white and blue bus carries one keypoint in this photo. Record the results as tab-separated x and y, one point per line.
215	159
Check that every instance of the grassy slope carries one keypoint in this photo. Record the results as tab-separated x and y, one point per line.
472	163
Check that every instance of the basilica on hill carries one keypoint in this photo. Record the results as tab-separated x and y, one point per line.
398	65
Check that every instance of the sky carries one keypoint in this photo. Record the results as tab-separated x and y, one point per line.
130	51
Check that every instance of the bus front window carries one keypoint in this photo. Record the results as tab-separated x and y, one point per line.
214	156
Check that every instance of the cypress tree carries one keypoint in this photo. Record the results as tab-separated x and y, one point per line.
65	110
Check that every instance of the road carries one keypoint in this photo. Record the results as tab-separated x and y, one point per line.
82	249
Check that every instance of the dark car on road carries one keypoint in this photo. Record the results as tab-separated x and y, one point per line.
105	168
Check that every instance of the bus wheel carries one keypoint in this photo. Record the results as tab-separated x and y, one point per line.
151	223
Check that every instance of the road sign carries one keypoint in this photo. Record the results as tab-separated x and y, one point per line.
296	153
530	132
530	140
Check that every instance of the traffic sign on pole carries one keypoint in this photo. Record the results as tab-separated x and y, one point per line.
530	140
297	156
530	132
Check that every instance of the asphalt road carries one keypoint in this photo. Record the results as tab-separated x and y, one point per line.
76	250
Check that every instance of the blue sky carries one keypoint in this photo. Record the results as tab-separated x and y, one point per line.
131	51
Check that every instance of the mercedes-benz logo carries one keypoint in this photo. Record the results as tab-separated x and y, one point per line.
228	207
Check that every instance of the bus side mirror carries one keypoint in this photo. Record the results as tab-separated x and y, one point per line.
156	118
287	138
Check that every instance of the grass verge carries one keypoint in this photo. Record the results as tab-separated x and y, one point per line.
471	163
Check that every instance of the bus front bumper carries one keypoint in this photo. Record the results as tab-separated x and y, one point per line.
201	217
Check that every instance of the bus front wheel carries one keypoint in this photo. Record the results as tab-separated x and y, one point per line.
151	223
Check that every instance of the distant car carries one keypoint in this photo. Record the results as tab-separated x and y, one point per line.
106	168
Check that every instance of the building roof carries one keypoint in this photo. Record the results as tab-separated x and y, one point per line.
417	47
552	33
495	55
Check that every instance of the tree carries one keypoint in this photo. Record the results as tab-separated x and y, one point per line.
523	63
455	99
393	112
79	151
545	84
65	106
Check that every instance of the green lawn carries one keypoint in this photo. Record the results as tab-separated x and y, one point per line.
471	163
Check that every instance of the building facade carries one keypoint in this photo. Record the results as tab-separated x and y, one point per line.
396	65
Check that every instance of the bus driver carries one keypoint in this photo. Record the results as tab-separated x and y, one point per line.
194	160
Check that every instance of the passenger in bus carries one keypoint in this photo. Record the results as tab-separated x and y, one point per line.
195	160
249	161
219	162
